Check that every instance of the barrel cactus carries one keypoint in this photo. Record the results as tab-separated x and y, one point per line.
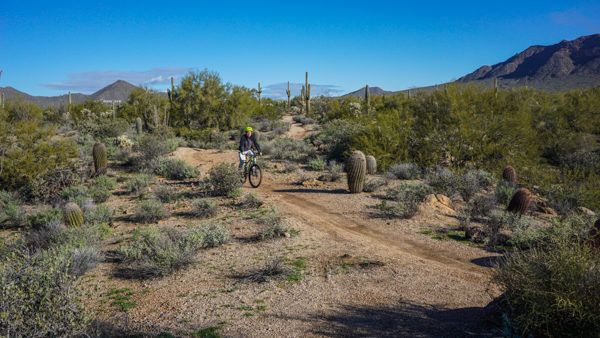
356	166
520	201
73	215
509	174
100	158
371	165
139	125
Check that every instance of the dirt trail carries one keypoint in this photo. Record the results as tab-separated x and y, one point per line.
297	131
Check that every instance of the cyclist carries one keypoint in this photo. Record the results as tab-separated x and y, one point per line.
247	144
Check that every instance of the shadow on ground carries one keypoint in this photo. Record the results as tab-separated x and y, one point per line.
405	320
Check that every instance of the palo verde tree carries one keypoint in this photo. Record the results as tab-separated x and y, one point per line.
146	104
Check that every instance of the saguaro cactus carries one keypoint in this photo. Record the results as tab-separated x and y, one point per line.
100	158
139	127
371	165
509	174
73	215
367	100
356	167
306	94
520	201
259	91
288	92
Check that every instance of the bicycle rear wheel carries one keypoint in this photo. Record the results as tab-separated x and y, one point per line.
255	176
243	175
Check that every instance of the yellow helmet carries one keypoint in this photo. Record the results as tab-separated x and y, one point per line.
248	129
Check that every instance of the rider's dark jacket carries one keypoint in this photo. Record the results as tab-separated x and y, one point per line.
247	143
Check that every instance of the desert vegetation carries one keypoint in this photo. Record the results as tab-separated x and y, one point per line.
94	193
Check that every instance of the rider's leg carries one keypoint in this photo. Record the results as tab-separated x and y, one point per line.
242	160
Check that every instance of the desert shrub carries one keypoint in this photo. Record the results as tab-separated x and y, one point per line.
372	185
250	201
150	211
138	184
203	207
404	171
165	193
48	187
562	199
290	150
99	214
76	193
406	199
469	184
442	180
554	291
175	169
482	205
224	180
11	212
150	148
268	217
55	235
83	259
335	170
213	235
43	217
504	192
336	138
464	217
276	230
156	252
317	164
484	178
100	191
290	167
38	297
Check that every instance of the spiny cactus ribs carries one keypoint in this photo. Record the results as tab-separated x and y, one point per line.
138	125
509	174
100	158
357	169
520	201
371	165
73	215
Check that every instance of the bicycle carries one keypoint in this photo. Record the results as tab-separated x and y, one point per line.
251	171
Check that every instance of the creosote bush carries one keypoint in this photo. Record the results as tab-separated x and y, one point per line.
165	193
250	201
404	171
442	180
405	200
151	211
203	207
175	169
138	184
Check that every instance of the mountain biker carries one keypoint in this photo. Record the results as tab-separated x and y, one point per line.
247	144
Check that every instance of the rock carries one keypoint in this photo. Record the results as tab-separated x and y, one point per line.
438	203
585	211
325	178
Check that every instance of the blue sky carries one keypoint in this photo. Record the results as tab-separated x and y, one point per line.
51	47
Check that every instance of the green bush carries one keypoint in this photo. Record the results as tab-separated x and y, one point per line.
156	252
165	193
276	230
175	169
203	207
553	292
404	171
76	193
317	164
443	181
214	235
99	214
44	217
504	192
372	185
102	188
150	211
11	212
38	297
250	201
335	170
138	184
150	148
406	199
290	150
224	180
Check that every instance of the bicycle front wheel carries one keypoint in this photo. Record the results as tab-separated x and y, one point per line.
255	176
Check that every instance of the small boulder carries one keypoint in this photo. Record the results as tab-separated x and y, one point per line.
585	211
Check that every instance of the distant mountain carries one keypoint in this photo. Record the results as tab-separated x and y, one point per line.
117	91
565	65
372	90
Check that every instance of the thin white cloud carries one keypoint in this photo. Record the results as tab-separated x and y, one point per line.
278	90
94	80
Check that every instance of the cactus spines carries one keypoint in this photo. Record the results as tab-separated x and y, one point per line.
73	215
520	201
288	92
356	166
367	99
100	158
139	126
371	165
509	174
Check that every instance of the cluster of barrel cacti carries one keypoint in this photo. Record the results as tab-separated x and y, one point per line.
73	215
100	158
356	166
